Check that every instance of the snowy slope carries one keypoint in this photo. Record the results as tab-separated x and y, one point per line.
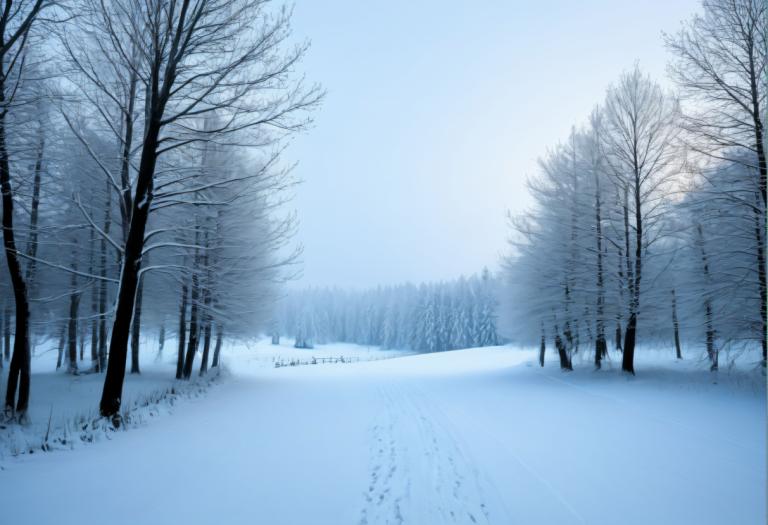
470	436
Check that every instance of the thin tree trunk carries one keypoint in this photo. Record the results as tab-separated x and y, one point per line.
711	350
161	340
194	311
207	321
136	327
94	305
193	330
761	277
543	347
81	339
74	303
601	346
206	345
18	375
35	209
217	350
103	289
62	344
619	317
182	332
628	361
708	314
676	326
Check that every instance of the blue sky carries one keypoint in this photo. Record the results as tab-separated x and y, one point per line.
436	113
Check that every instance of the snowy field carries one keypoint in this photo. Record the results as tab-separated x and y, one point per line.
469	436
62	405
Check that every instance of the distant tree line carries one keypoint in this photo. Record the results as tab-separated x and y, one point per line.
426	318
649	222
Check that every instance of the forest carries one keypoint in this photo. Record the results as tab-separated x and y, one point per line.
427	318
383	263
142	181
143	191
649	220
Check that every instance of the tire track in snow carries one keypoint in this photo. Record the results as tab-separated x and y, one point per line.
419	473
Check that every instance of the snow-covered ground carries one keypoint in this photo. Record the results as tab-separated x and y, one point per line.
470	436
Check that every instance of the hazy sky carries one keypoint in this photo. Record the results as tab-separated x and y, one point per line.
436	112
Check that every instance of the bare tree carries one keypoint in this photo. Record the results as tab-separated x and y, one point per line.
16	24
721	61
641	123
197	58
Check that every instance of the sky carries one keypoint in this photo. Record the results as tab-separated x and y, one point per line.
436	113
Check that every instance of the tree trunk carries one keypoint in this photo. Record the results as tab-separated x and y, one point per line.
761	274
134	245
74	303
601	346
182	332
7	332
543	347
207	297
81	339
676	326
562	352
206	345
628	360
194	334
94	306
708	314
35	209
136	328
18	374
711	350
217	350
161	340
62	344
103	288
194	313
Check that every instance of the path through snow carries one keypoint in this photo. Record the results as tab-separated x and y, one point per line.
468	437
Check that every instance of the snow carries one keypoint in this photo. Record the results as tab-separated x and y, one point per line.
468	436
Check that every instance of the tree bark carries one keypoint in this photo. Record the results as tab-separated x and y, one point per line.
182	332
62	344
136	327
708	314
628	360
194	312
761	276
676	326
134	245
193	330
7	332
103	288
18	374
601	346
74	303
35	209
161	340
206	345
217	350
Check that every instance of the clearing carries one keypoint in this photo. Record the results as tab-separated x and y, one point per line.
478	436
